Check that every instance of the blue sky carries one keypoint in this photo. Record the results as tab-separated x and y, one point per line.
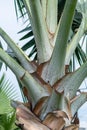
9	23
8	19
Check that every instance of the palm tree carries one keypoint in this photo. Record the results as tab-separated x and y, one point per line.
48	83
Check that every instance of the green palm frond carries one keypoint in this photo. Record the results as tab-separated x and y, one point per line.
20	8
29	40
7	121
7	92
80	54
0	60
7	113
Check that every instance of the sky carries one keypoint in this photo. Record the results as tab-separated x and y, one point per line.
9	23
8	19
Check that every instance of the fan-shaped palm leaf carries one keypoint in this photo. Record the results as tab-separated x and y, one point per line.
7	114
7	121
7	92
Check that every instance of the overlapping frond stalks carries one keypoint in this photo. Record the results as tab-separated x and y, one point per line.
49	85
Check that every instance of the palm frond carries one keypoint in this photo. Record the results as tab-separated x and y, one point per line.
19	8
0	60
81	55
7	92
7	121
7	113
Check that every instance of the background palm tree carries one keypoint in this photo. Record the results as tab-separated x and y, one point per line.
51	86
